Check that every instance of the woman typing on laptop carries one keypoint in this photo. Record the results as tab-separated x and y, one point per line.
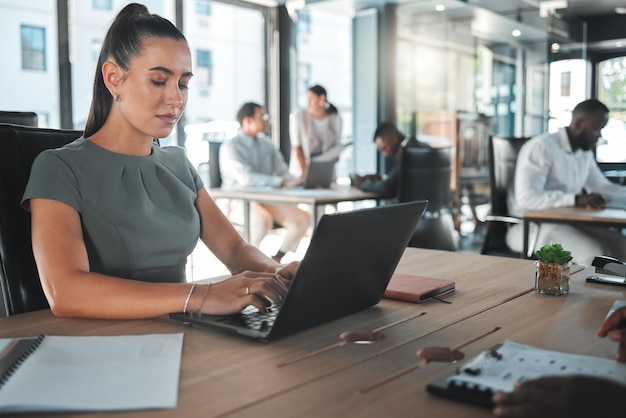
114	216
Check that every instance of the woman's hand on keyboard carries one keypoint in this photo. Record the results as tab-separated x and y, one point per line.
258	289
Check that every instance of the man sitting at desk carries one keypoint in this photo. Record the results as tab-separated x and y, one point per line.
560	170
251	160
390	141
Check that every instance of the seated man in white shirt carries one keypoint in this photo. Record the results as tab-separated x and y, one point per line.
251	160
560	170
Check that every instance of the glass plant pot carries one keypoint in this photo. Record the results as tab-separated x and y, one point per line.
552	278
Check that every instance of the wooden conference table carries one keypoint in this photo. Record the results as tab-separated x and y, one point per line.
606	217
228	376
315	198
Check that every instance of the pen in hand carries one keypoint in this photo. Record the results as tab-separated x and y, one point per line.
614	328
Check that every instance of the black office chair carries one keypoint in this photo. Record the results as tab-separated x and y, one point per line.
210	170
19	118
425	174
215	175
19	281
502	161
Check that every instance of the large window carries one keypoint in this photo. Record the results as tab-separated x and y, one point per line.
229	69
228	46
33	48
612	92
229	60
567	88
324	57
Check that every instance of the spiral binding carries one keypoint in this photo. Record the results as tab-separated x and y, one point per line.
471	387
14	361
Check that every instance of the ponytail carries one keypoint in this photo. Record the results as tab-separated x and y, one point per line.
122	43
318	90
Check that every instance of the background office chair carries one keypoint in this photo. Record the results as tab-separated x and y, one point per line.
425	174
502	161
19	280
210	171
215	175
19	118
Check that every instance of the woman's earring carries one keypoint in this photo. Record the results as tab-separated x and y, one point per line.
116	97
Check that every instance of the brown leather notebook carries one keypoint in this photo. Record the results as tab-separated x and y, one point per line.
416	288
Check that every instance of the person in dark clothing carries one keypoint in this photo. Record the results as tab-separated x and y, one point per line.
389	141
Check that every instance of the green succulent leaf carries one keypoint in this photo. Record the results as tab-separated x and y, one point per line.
553	253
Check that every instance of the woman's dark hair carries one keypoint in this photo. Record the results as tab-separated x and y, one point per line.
247	111
318	91
122	43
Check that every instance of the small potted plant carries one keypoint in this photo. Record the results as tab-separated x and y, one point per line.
553	270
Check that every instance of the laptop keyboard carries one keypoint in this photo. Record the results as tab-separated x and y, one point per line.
252	318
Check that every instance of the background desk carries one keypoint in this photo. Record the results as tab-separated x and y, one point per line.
312	197
225	375
604	217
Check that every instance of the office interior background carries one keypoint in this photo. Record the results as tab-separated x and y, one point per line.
447	71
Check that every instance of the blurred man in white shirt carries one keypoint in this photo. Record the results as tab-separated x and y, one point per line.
560	170
251	160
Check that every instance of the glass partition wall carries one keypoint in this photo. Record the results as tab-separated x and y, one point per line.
470	64
465	71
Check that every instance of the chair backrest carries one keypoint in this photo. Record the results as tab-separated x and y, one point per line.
19	118
502	161
19	280
425	174
215	176
503	153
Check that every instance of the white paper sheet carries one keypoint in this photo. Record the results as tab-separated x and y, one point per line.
518	362
83	373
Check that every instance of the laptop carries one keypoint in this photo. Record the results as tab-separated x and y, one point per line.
616	203
348	264
319	174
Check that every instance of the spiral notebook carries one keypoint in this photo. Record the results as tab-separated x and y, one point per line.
89	373
501	367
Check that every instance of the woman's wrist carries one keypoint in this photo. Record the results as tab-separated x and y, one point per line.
189	295
205	294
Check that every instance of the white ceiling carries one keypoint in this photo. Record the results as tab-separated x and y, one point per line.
491	20
583	9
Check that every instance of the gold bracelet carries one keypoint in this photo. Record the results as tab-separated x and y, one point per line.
206	291
193	286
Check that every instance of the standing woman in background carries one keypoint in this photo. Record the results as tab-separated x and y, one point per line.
314	130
